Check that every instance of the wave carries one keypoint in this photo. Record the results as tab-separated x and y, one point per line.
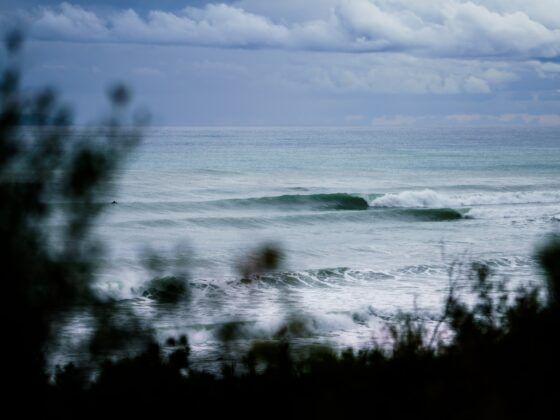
432	215
430	199
324	277
309	209
413	199
298	219
334	201
422	198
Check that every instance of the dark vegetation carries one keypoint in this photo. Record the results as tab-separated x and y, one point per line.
501	358
165	289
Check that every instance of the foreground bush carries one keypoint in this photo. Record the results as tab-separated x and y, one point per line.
501	362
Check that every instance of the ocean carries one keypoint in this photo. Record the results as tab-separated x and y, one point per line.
369	221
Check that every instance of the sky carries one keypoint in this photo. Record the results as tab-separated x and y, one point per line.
296	62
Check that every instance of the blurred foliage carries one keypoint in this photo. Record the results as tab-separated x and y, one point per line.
267	257
165	289
53	174
501	361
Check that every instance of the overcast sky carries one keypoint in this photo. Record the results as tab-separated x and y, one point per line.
301	62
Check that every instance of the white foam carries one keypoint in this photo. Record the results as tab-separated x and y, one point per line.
422	198
527	197
430	199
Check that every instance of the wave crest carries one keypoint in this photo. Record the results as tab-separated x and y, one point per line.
430	199
335	201
423	198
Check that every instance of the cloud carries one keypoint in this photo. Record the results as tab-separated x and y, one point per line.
546	70
147	71
354	118
438	28
509	119
395	73
69	23
544	120
314	62
396	120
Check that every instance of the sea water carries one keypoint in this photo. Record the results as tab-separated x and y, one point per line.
369	221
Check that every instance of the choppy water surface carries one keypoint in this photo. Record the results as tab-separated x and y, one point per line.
369	221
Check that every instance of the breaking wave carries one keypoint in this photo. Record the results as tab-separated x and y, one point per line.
430	199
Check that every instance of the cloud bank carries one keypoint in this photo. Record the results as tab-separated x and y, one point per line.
531	120
436	28
400	73
318	62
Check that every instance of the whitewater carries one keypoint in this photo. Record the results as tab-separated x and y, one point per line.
369	220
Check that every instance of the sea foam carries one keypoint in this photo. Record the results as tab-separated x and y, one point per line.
431	199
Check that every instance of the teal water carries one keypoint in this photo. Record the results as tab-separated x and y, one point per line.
369	221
